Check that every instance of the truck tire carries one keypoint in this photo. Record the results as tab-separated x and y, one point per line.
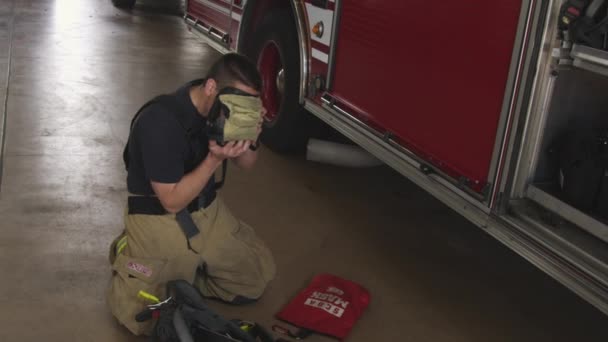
126	4
287	126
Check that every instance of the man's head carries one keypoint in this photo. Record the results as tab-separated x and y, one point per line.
232	89
232	70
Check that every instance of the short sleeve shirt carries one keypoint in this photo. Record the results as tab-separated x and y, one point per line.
166	142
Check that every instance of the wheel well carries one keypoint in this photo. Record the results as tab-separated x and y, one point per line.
253	15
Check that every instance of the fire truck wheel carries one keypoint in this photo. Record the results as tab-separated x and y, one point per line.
128	4
287	127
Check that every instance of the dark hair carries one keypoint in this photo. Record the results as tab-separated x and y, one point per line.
234	67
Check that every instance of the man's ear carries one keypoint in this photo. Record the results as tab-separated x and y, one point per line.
210	87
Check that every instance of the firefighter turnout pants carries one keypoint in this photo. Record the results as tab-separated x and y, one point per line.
226	260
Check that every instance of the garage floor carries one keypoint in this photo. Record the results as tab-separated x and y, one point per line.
77	71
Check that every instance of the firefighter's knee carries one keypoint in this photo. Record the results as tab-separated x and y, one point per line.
238	271
130	277
135	280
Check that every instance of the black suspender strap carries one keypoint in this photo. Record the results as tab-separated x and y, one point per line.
184	219
186	223
219	184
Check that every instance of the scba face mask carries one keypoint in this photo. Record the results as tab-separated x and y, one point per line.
234	116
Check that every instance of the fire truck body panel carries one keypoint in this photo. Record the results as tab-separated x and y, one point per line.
217	14
320	46
447	86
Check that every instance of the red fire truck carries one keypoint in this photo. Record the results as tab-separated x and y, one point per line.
474	101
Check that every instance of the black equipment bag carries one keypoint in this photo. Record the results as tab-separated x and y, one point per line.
586	21
583	166
185	317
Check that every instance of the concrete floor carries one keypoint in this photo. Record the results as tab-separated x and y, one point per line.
78	71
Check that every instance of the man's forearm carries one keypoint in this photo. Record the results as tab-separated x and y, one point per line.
190	186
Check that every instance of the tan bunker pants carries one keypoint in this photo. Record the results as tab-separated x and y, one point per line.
225	260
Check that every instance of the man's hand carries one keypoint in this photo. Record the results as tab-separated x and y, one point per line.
231	150
239	151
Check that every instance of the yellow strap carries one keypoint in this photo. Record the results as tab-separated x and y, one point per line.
246	326
121	244
146	296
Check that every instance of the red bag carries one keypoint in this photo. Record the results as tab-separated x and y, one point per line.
329	305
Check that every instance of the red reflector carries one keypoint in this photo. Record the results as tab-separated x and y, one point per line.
574	11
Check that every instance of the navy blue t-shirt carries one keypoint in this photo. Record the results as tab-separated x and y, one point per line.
166	143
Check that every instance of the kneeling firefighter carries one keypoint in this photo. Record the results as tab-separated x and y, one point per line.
175	226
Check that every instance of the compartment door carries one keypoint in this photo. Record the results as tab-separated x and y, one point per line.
432	74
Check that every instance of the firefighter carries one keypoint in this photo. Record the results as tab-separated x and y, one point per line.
175	225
